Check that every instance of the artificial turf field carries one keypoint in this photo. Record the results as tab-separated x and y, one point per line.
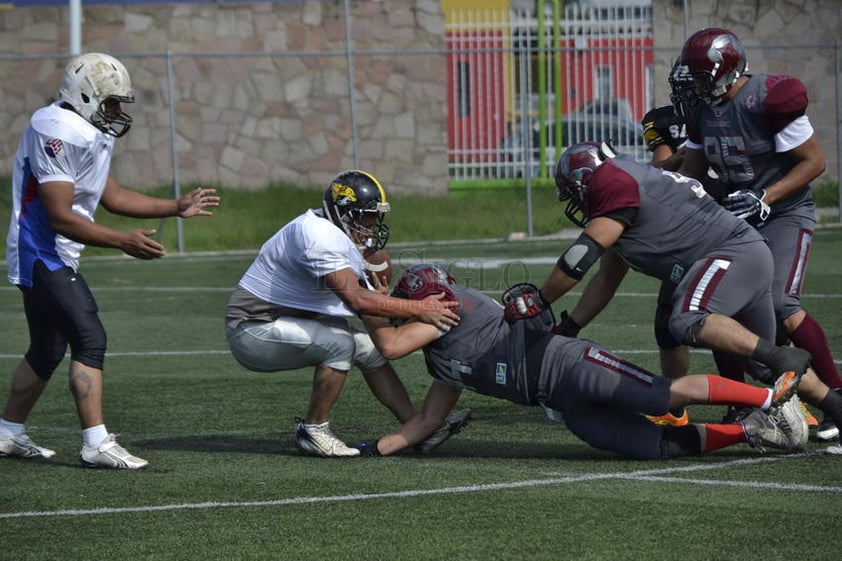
225	482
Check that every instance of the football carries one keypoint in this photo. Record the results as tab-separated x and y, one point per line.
378	262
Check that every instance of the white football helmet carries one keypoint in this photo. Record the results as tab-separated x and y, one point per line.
95	84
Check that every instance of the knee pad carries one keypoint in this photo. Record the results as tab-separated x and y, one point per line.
677	442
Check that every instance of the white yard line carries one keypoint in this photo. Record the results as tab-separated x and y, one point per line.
654	475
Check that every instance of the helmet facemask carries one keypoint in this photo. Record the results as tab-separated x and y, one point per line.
356	203
96	85
681	88
368	237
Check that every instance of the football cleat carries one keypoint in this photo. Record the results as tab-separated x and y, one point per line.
785	387
783	427
811	419
827	429
454	423
671	420
111	455
23	447
319	440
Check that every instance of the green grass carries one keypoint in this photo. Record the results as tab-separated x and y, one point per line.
224	481
246	219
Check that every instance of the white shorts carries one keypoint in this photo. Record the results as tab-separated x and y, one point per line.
289	343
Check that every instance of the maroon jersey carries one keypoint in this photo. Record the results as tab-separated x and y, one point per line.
738	136
675	222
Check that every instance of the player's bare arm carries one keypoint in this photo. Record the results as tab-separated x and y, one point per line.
397	341
600	289
433	310
57	198
599	234
811	164
126	202
440	400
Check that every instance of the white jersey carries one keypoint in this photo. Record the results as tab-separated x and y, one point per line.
58	145
289	268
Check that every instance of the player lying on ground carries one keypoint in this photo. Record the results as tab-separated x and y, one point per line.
602	398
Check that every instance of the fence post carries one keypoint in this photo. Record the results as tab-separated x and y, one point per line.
176	176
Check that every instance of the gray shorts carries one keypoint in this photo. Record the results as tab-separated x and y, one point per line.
790	236
603	398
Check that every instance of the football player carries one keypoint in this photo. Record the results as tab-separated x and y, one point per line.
665	225
60	176
754	131
600	396
291	309
665	134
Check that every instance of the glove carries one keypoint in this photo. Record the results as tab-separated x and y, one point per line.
745	204
368	449
523	301
567	326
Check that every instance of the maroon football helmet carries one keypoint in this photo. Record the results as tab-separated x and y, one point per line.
422	280
715	58
573	172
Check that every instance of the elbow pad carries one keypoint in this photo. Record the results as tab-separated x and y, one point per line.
580	257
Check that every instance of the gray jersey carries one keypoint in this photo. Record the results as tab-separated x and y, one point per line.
676	223
484	353
738	136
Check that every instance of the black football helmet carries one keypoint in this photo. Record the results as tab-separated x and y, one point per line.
715	59
422	280
351	195
573	172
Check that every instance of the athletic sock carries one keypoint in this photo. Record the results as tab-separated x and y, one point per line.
92	437
8	429
720	436
831	406
810	336
722	391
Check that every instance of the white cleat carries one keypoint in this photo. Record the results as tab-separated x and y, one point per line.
111	455
319	440
23	447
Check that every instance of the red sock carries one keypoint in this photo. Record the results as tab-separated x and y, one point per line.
810	336
720	436
722	391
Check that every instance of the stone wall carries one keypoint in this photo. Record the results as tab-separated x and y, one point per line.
261	89
262	95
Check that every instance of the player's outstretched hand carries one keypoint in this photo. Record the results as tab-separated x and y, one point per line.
196	201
